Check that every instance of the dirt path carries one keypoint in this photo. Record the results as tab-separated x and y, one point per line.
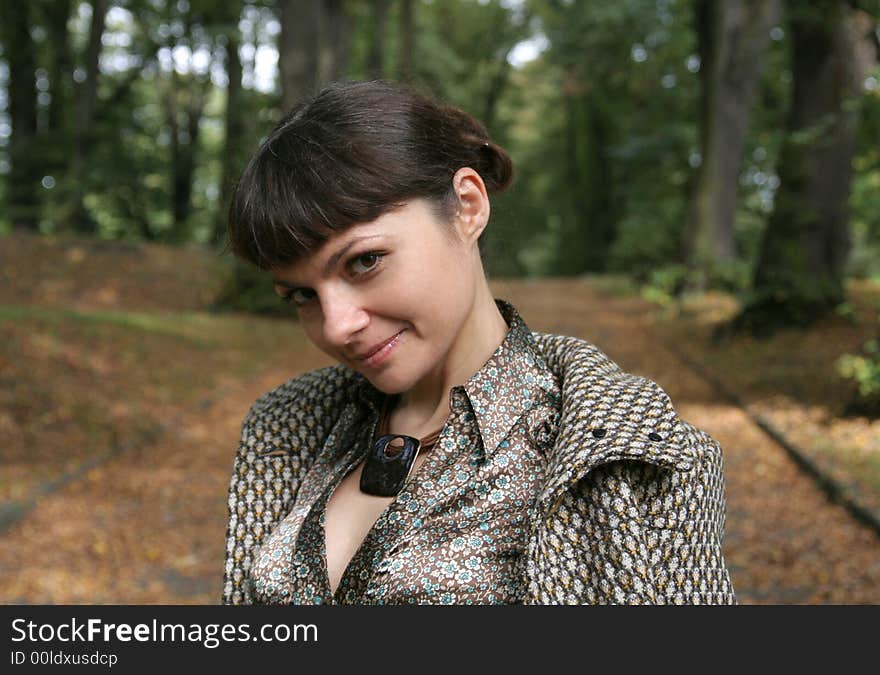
148	526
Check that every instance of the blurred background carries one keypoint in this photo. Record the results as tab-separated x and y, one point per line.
697	192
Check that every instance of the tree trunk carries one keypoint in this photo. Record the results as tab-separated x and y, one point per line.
184	122
56	16
298	49
732	41
590	227
335	34
23	191
234	130
496	86
799	274
77	217
406	54
376	57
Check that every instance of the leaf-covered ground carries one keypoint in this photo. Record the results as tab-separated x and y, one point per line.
116	382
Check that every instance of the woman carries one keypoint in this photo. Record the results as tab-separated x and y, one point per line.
453	456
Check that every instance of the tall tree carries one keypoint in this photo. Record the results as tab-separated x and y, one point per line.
799	273
56	14
185	104
335	39
407	41
588	135
298	49
23	183
185	98
376	56
232	156
732	39
76	216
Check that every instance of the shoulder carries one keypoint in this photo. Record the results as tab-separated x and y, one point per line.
609	414
588	376
310	400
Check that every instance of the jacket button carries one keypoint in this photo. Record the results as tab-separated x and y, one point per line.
654	436
598	433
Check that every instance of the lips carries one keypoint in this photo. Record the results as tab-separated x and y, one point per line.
367	354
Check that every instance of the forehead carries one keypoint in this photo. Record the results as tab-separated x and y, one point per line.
411	222
331	251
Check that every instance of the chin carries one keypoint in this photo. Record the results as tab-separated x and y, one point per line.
389	387
389	383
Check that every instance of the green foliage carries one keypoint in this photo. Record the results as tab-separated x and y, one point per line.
665	284
245	288
619	128
602	127
734	276
865	196
864	370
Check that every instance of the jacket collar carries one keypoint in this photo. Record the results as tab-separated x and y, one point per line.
607	415
516	368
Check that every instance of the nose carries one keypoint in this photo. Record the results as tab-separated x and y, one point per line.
343	317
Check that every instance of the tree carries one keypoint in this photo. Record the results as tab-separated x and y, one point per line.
335	33
75	215
376	57
233	124
732	38
56	15
407	37
298	49
799	274
22	195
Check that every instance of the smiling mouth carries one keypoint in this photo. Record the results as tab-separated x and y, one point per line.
380	349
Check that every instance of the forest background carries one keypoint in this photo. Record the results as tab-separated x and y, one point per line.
720	159
689	143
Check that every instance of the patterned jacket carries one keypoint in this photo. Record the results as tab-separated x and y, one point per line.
630	510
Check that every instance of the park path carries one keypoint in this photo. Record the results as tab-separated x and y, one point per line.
785	541
148	526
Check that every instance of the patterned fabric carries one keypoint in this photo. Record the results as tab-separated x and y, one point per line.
558	478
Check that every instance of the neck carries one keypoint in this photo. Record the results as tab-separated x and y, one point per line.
425	406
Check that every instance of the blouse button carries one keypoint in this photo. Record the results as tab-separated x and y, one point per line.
598	433
654	436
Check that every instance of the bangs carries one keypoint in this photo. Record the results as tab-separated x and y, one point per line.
294	195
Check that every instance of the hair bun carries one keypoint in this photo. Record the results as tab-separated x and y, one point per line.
496	167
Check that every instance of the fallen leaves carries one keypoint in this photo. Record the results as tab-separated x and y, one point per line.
148	525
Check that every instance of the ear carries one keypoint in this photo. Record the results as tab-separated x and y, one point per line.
472	209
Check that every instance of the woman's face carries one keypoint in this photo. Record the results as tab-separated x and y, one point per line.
387	298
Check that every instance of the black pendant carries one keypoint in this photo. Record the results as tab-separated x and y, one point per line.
387	466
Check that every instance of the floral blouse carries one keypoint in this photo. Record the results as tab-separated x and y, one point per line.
457	531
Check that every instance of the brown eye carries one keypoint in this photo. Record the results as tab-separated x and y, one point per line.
364	263
299	296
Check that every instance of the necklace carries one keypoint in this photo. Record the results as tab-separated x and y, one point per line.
392	457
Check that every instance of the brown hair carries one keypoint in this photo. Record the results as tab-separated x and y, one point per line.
348	155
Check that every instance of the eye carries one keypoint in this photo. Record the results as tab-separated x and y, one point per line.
365	263
299	296
359	266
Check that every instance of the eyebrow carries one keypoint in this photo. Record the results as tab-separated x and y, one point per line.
332	262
